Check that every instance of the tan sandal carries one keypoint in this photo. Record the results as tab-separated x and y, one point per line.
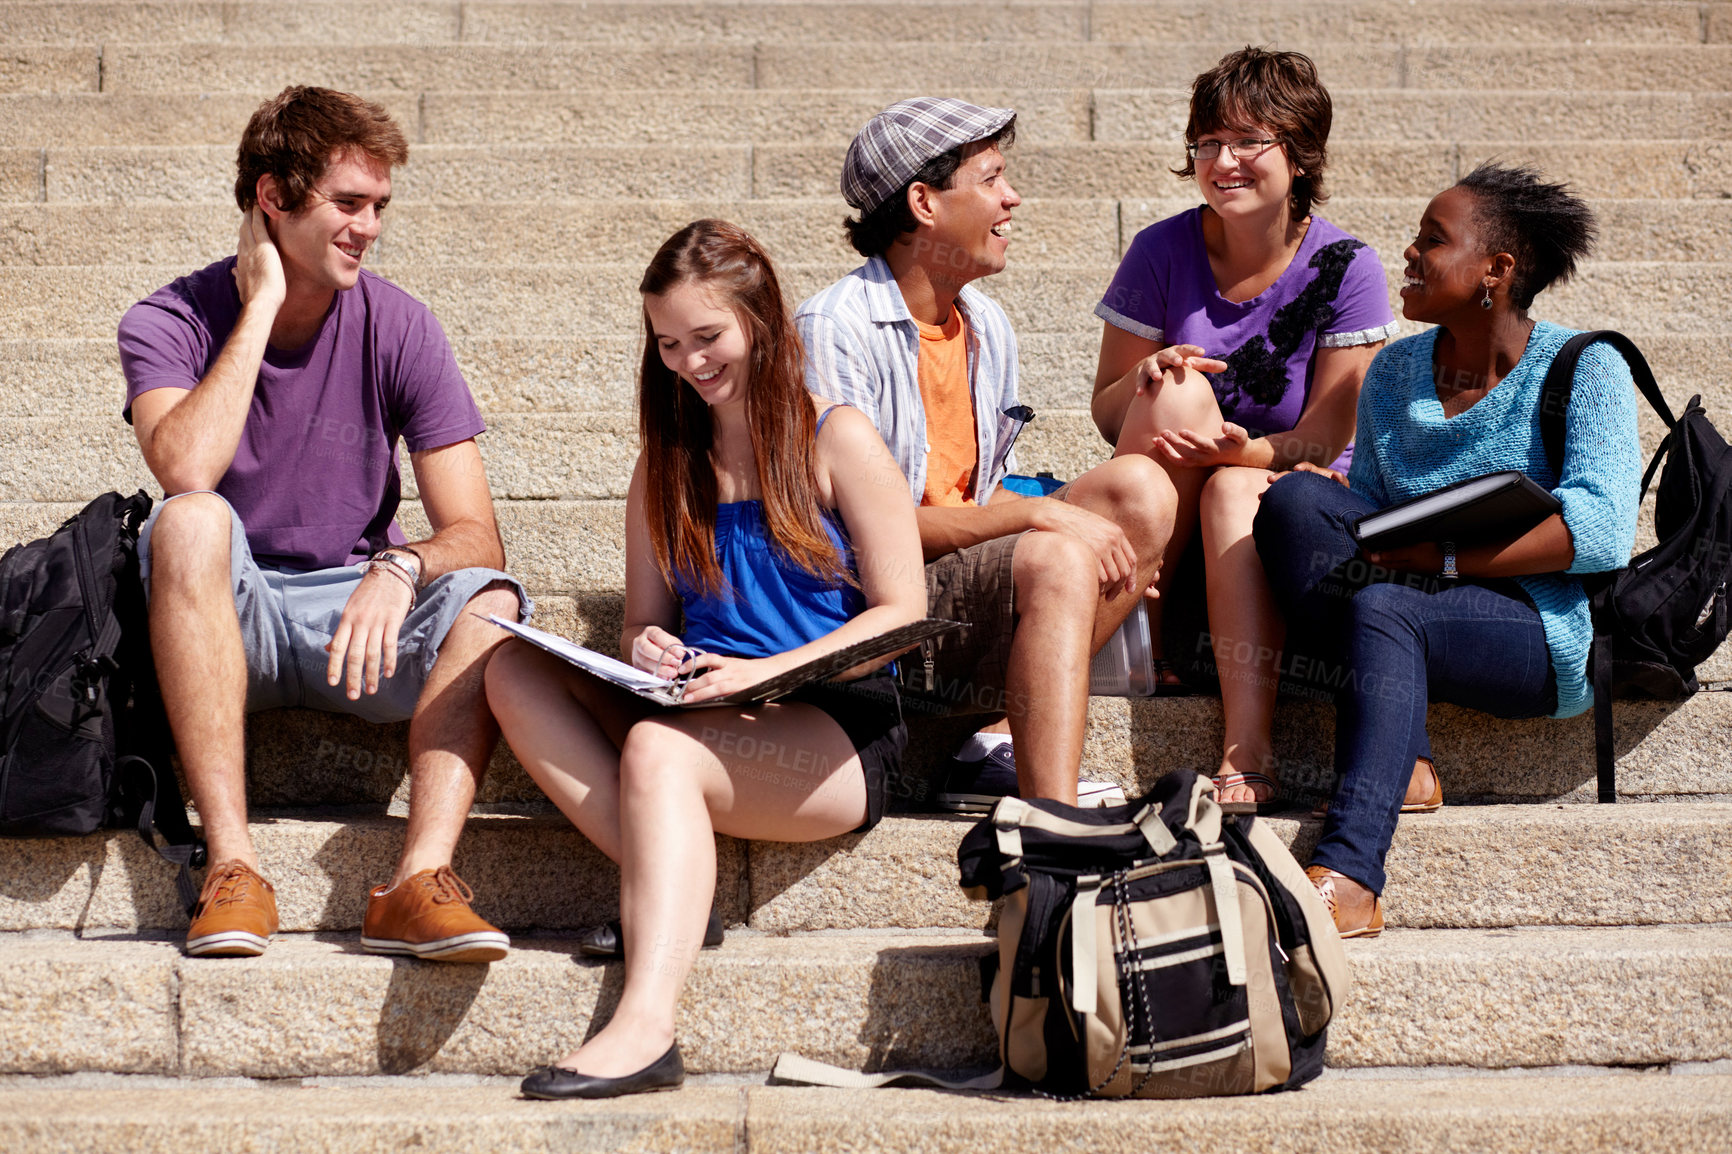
1431	804
1356	923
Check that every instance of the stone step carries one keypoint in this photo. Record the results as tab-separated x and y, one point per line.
559	547
317	1007
1047	230
129	174
629	116
552	545
172	21
443	21
1540	1111
72	378
529	456
1477	65
573	299
1529	865
621	230
223	67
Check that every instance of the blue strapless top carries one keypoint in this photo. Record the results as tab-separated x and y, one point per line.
771	605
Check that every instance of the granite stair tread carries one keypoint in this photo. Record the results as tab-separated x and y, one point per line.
1527	1112
316	1005
1492	866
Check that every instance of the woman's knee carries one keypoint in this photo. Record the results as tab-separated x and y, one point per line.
1232	497
1298	528
1184	398
656	758
1293	497
1391	609
512	669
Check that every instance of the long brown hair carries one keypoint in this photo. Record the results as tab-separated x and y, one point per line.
675	428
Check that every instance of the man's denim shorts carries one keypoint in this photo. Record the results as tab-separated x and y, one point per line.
288	618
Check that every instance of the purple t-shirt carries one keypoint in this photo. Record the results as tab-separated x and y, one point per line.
1332	295
314	477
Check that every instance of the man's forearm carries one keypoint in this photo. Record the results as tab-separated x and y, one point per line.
945	529
193	444
465	544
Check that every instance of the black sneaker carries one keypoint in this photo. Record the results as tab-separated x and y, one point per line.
976	786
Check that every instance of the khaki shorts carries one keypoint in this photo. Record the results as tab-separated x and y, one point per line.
964	671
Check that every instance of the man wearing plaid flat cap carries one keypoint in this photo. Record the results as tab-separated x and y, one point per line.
907	338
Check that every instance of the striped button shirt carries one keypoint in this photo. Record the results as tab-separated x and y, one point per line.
863	348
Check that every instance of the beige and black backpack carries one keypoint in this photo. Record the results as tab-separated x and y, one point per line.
1157	949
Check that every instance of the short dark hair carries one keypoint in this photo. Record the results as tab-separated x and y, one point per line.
1544	226
875	231
1280	91
296	134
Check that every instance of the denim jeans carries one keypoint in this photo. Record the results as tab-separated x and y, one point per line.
1398	641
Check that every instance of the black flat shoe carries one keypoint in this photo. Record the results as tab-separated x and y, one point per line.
608	940
553	1082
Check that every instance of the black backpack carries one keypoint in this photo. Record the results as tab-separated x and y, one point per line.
1659	617
86	743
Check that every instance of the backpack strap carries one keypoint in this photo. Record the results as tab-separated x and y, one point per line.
1204	820
792	1067
162	822
1554	408
1605	761
1560	382
1084	954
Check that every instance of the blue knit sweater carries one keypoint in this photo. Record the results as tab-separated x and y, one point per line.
1406	446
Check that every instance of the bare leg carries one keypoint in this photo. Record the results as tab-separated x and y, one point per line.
451	736
1247	627
1138	496
684	778
1047	674
1183	400
567	728
196	640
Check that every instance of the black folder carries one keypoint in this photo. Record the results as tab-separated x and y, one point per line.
1497	505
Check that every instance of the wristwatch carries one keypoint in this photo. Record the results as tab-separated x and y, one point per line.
1449	571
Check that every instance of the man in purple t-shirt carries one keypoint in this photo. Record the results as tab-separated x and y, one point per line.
267	392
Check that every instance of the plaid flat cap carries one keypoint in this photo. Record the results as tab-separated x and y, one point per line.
897	142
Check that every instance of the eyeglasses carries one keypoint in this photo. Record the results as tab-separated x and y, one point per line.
1246	148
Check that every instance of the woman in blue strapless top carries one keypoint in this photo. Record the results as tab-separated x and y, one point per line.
778	528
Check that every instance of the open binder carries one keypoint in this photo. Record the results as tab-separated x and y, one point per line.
664	691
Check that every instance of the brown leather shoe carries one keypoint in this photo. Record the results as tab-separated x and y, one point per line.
1358	913
235	916
1424	791
427	916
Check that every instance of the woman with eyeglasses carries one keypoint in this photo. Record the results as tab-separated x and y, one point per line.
1236	336
1500	625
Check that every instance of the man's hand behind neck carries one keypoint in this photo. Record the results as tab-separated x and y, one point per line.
265	291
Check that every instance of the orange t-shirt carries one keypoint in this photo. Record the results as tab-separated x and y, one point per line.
951	451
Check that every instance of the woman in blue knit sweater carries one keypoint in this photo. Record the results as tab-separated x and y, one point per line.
1501	626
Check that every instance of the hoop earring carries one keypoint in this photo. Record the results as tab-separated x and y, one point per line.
1485	301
